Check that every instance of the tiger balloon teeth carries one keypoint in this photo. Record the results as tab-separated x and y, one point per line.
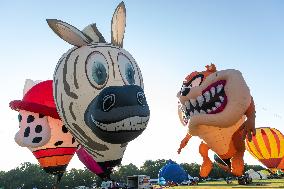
213	100
135	123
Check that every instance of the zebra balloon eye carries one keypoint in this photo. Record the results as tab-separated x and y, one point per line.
97	70
99	73
126	69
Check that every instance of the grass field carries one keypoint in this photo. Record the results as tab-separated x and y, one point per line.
270	183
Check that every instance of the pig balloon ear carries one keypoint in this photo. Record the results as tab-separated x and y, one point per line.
29	84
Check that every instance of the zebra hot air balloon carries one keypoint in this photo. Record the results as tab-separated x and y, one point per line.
98	90
267	146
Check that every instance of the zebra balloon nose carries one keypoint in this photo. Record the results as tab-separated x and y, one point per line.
141	99
118	114
108	102
119	97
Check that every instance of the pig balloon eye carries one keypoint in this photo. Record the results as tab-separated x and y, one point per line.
20	117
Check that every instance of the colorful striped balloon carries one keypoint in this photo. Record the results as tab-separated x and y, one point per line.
267	146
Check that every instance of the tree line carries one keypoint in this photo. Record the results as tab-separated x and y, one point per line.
29	175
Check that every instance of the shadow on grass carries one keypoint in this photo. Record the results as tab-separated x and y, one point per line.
258	185
219	184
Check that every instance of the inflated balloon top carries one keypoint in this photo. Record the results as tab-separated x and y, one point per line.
38	97
205	96
267	146
173	172
41	130
217	107
98	89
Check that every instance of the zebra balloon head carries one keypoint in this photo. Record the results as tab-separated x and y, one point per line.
98	86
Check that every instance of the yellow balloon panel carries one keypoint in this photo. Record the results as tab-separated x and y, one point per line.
267	146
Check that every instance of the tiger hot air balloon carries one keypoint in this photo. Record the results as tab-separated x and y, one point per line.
41	129
267	146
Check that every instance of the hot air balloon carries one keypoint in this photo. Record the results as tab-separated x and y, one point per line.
267	146
98	89
217	107
102	169
41	129
173	172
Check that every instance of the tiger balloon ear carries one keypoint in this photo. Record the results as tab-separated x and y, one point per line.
118	24
68	33
211	68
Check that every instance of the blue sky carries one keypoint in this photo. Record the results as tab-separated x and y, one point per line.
168	39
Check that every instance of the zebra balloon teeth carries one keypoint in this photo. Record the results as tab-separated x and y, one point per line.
98	88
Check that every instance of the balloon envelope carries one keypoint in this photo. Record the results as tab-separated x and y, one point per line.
173	172
41	129
267	146
88	161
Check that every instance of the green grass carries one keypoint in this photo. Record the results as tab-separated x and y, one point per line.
270	183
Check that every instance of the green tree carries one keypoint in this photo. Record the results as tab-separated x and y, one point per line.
152	168
254	167
125	170
27	175
192	169
78	177
218	172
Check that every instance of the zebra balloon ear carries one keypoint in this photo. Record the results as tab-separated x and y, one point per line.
118	24
93	32
68	32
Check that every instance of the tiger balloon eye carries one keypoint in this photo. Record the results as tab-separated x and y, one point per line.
98	89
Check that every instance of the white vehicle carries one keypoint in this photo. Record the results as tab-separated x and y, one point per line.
196	179
154	181
81	187
138	182
186	182
107	184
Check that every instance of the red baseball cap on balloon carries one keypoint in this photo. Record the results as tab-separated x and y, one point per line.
39	99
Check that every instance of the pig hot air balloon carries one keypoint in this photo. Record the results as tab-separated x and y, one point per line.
41	129
267	146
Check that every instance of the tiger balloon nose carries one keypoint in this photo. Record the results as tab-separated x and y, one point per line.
118	114
99	90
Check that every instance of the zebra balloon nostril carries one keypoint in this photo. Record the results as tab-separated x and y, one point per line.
141	98
108	102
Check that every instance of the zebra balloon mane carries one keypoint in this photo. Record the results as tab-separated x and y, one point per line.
98	88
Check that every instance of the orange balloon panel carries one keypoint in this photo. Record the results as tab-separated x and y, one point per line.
267	146
54	160
281	164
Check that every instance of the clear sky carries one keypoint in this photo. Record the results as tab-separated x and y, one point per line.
168	39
